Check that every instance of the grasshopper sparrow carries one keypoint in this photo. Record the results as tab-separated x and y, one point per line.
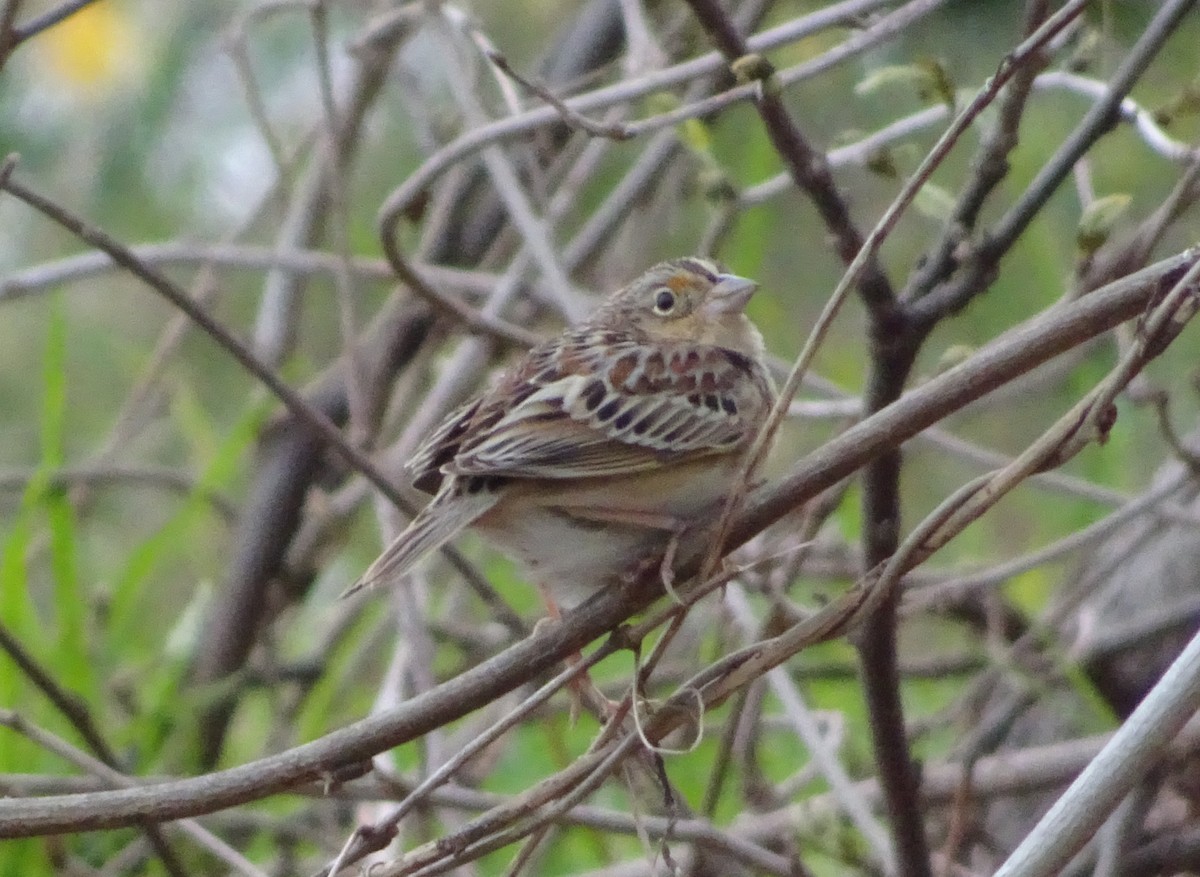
600	446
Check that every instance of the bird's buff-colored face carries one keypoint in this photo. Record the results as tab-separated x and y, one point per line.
687	300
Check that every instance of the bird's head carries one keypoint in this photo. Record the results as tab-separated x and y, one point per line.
689	299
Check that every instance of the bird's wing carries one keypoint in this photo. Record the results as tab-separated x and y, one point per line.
599	404
424	468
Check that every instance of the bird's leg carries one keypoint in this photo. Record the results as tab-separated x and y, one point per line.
666	568
552	608
581	686
583	691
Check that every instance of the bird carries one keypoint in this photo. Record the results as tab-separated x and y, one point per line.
600	446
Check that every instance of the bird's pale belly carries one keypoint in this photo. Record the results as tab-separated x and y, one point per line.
571	558
573	541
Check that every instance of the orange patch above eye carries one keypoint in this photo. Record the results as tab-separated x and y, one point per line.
678	282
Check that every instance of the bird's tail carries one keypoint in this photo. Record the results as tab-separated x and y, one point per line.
440	521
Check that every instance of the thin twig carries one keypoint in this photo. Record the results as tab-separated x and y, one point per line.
293	401
114	778
120	473
83	266
818	748
404	196
13	35
572	118
981	263
75	710
534	231
454	308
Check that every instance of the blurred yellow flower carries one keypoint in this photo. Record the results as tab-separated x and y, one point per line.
91	50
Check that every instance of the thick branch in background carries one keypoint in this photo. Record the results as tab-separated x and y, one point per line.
894	345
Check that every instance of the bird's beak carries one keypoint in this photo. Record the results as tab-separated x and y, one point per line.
730	295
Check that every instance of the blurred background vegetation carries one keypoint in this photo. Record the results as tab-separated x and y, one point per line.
121	474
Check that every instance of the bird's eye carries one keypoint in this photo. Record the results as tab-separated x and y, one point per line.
664	301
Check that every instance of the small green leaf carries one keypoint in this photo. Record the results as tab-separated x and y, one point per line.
181	640
934	202
1086	52
695	136
908	75
940	85
1098	220
882	161
955	354
1185	102
716	186
752	68
927	77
